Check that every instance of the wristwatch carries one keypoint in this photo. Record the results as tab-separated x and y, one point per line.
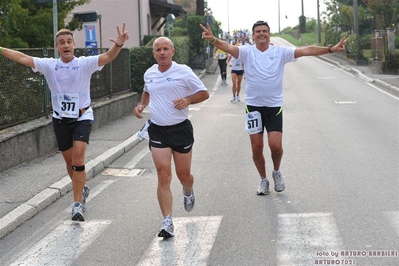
329	48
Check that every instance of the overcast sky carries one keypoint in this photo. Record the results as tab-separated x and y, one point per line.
242	14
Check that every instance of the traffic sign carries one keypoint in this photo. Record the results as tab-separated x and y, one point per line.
91	48
90	31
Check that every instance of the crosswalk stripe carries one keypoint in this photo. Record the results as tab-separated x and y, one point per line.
302	236
191	245
64	244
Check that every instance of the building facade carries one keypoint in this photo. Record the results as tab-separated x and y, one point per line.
142	17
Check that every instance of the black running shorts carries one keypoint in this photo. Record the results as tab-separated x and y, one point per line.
179	137
237	72
66	133
272	117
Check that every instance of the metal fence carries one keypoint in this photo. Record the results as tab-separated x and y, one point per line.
24	95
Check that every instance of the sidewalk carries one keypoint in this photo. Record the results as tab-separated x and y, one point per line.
29	188
389	82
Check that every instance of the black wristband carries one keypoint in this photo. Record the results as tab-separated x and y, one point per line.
120	46
329	48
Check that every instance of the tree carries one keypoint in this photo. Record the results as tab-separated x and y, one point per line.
340	14
385	12
30	24
5	10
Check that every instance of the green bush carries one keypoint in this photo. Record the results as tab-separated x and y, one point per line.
332	37
392	61
141	59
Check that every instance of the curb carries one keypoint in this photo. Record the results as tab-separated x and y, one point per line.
357	72
29	209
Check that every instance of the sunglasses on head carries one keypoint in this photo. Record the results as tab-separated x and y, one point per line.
260	23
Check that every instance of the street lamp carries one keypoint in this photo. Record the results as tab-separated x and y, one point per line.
279	16
228	19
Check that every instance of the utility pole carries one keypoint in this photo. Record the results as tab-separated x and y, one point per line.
279	16
228	19
55	26
318	23
356	26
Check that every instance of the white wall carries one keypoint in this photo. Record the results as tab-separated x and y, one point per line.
115	12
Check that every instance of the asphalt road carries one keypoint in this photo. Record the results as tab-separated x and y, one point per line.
340	166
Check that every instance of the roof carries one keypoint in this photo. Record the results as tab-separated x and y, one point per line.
161	8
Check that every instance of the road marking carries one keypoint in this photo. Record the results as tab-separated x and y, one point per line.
302	235
64	244
345	102
191	245
384	92
123	172
97	190
136	159
325	77
215	87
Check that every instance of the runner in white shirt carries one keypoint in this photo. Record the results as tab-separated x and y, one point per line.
264	66
169	89
237	72
68	78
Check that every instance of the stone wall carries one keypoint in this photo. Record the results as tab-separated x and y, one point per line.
29	141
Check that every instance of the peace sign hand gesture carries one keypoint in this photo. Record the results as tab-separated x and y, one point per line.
122	36
207	34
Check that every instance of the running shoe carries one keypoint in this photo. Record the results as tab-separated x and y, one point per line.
278	181
77	213
233	100
238	98
263	187
167	229
189	201
85	195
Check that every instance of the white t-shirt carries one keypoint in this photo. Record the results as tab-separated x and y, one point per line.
69	80
264	73
178	81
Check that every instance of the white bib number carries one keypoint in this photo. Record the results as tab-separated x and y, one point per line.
253	123
222	55
69	105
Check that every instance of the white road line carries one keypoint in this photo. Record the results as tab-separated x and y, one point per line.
64	244
302	235
191	245
18	250
380	90
136	159
215	87
393	218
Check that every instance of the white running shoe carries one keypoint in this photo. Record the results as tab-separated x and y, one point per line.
278	181
263	187
238	98
77	212
233	100
189	201
167	229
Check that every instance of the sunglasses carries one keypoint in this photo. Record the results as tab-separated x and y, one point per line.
260	23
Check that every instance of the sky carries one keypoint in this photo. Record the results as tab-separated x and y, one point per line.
242	14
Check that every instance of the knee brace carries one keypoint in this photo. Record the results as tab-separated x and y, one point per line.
78	168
